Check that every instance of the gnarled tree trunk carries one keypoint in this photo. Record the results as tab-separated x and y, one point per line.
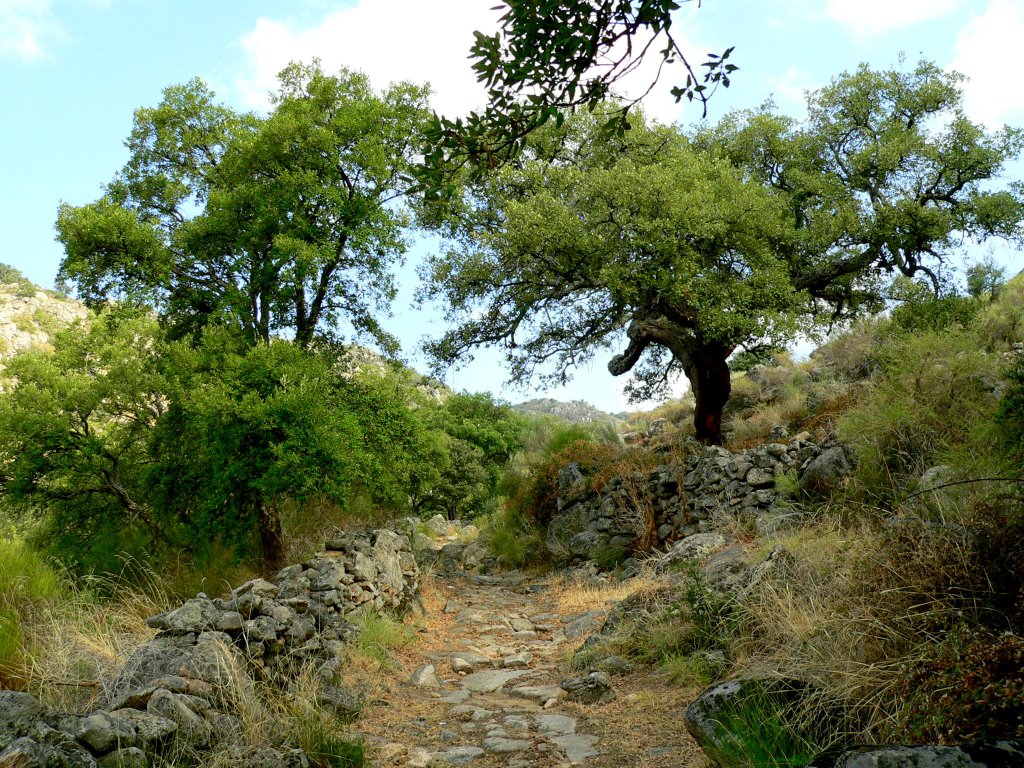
704	362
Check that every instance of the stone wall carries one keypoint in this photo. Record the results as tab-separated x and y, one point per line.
643	511
179	690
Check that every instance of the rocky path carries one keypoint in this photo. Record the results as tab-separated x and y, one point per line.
482	687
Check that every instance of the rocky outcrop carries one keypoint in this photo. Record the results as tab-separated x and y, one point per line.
177	690
29	315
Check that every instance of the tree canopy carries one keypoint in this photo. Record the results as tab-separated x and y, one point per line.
549	57
686	247
291	221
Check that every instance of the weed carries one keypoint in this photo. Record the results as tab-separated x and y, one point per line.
380	636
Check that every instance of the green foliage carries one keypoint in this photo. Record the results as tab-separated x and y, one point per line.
9	274
920	310
290	221
251	427
1010	417
26	580
380	635
560	55
742	234
758	730
985	278
932	403
969	687
74	434
691	669
462	448
515	539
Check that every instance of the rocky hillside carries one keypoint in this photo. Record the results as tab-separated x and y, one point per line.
574	412
29	314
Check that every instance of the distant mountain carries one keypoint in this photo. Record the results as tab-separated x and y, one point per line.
574	412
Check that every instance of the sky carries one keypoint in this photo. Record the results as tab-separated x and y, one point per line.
73	71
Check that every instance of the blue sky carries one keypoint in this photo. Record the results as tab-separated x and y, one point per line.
73	71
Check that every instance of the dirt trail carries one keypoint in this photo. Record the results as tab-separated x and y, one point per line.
500	647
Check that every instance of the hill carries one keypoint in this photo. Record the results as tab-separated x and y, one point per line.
574	412
30	314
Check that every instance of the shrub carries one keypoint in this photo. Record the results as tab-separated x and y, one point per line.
516	540
931	404
971	686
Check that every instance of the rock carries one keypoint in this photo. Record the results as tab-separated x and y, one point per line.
103	733
461	755
614	665
727	570
827	473
521	625
17	711
344	702
595	687
489	680
584	624
760	478
150	730
130	757
557	724
175	707
418	757
577	747
1005	753
501	745
691	548
517	660
537	693
197	615
27	753
425	676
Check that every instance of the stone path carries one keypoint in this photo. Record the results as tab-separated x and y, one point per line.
482	687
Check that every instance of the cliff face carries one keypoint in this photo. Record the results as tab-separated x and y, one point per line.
29	315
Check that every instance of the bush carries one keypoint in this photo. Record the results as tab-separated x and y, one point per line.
514	539
971	686
931	404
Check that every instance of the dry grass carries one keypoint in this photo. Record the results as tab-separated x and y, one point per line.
573	596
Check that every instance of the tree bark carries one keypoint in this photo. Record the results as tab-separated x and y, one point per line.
710	381
704	363
271	538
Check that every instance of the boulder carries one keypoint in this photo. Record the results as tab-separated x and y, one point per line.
691	548
1005	753
595	687
828	472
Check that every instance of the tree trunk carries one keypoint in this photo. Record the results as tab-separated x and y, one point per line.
708	373
271	538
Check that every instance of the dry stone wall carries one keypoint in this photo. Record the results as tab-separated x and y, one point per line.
649	510
179	690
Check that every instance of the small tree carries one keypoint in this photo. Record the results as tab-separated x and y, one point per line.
75	426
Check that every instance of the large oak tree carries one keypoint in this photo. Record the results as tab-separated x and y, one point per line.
292	221
685	247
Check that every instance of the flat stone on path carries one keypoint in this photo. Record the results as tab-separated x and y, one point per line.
577	747
559	724
460	755
538	693
501	745
489	680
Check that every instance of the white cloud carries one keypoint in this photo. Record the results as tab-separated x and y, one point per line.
870	17
389	40
790	88
989	52
26	26
394	40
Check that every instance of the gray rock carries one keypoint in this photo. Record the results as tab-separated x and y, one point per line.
103	733
593	688
691	548
828	472
537	693
24	752
614	665
343	702
556	724
517	660
1006	753
130	757
192	728
425	676
577	747
150	730
501	745
197	615
461	755
489	680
